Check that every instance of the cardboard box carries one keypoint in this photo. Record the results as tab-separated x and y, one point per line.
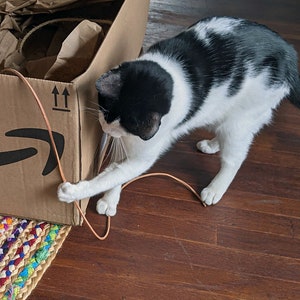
28	173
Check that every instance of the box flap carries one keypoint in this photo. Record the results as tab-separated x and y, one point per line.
123	41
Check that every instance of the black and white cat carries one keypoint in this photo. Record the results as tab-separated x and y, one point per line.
223	74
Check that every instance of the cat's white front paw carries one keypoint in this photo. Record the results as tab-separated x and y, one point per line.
211	196
68	192
104	208
208	146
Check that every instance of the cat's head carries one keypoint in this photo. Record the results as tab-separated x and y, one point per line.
133	98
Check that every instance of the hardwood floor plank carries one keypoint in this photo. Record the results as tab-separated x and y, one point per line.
191	253
199	171
254	241
133	271
166	226
221	215
127	287
259	202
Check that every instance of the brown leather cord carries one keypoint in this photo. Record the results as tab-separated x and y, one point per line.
169	176
76	203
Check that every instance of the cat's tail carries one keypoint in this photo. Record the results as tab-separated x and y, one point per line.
294	96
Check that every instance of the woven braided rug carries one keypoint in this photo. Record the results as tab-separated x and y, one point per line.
27	249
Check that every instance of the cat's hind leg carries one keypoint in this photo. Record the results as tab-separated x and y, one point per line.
209	146
107	205
235	137
233	153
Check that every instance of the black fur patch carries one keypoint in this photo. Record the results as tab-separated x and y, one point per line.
147	89
144	97
191	53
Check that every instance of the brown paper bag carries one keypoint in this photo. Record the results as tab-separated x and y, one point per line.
61	49
77	52
24	7
8	45
9	54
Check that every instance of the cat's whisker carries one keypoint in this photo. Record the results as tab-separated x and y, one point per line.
91	111
117	150
112	150
124	150
94	107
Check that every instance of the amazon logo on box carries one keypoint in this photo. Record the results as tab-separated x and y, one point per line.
60	103
14	156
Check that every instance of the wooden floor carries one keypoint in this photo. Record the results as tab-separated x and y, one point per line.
163	243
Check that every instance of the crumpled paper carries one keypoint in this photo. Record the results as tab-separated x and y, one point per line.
59	49
23	7
41	46
77	52
9	55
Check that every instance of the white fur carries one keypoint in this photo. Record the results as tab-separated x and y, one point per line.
234	123
113	129
217	25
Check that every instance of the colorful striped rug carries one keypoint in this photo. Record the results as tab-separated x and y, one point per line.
27	249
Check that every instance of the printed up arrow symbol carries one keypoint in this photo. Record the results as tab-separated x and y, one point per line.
66	94
55	93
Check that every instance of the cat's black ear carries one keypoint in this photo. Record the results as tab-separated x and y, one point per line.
150	126
109	84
